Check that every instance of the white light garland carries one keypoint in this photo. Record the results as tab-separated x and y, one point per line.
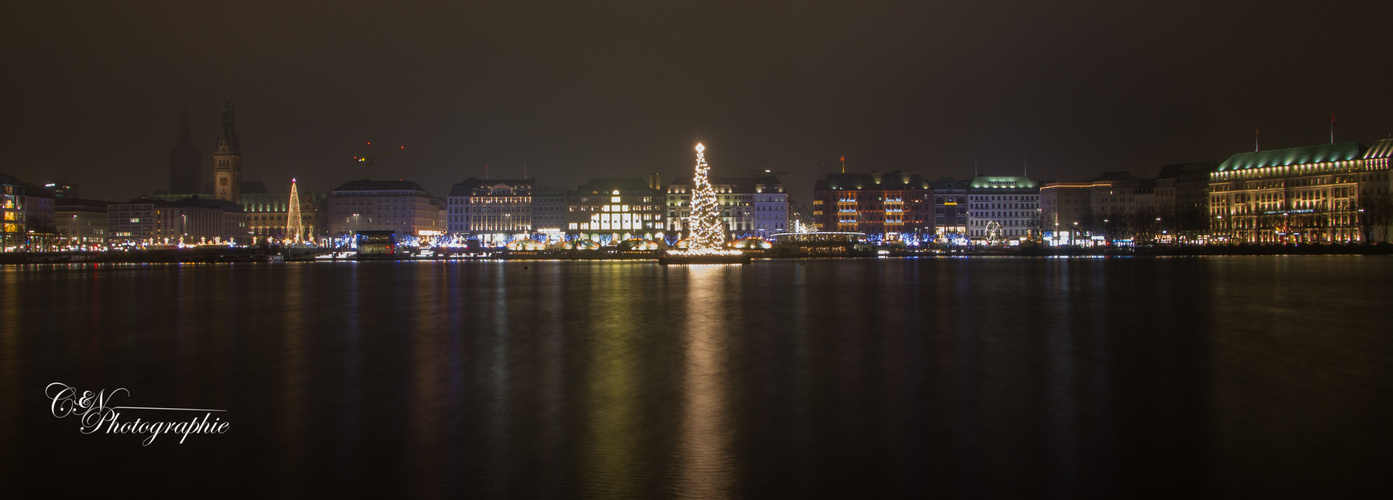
294	226
708	234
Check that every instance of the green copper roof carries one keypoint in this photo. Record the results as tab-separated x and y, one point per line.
1304	155
1383	148
1008	182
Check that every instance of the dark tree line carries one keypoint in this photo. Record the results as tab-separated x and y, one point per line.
1373	217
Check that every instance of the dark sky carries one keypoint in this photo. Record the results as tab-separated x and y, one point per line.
93	93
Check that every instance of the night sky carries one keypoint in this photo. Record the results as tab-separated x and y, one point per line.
94	92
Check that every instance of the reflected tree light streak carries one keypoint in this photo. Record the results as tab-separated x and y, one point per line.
704	448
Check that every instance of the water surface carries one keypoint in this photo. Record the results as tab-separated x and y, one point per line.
982	377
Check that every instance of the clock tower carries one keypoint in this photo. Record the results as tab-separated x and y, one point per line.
227	158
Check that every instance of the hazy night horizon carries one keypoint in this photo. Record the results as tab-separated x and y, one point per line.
571	92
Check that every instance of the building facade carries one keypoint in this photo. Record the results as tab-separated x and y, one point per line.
82	223
492	210
131	223
1182	197
616	209
950	208
1003	208
1296	195
750	206
894	203
12	229
1376	193
549	209
1065	206
401	206
189	221
268	214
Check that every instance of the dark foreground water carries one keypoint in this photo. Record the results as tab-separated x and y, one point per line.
1251	377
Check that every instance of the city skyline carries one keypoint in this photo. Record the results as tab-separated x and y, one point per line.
571	92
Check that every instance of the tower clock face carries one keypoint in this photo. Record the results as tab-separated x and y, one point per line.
222	181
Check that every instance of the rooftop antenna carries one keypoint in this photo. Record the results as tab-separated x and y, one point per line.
1332	127
486	171
1257	134
843	164
974	166
1025	165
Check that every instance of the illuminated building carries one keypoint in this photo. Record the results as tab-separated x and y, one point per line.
401	206
950	208
12	230
268	214
131	223
1113	206
753	206
1064	205
615	209
82	222
1376	192
1002	208
494	210
149	221
894	203
1296	195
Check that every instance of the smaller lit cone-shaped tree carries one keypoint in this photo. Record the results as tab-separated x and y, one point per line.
707	233
294	226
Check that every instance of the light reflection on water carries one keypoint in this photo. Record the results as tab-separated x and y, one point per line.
839	378
703	450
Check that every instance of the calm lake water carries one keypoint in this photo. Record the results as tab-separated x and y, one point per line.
1252	377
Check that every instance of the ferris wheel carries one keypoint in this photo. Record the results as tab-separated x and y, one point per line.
994	231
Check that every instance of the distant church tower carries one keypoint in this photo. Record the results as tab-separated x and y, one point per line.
227	158
185	162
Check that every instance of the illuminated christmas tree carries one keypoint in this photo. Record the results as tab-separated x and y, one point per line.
706	232
294	227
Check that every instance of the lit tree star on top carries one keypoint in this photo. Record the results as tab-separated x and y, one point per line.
707	231
294	226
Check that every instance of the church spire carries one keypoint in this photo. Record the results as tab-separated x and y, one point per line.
185	162
228	142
